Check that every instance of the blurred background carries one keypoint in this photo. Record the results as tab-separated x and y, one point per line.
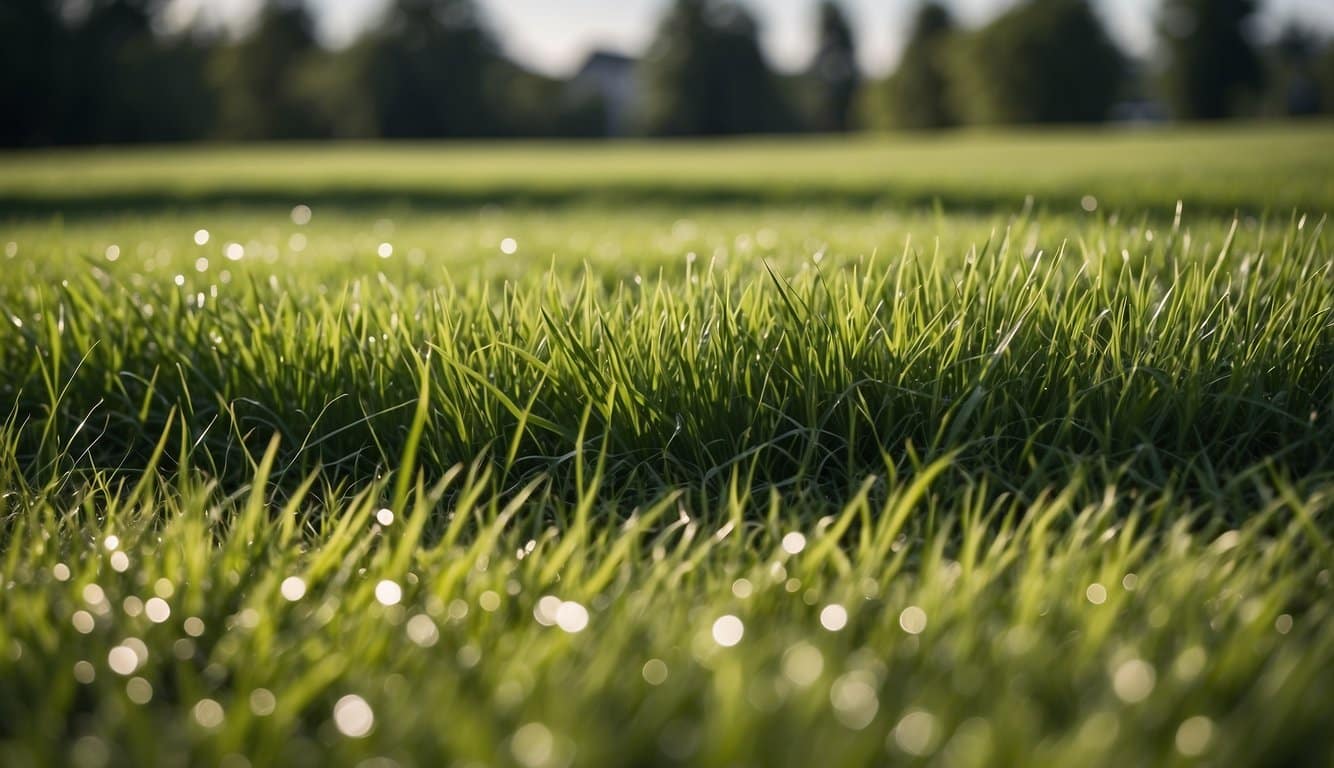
112	71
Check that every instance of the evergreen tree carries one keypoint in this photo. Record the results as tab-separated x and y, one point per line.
1210	63
1292	75
833	73
1324	72
31	43
1044	61
430	64
98	73
918	94
705	74
257	78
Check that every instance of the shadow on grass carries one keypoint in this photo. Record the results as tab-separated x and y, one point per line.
77	204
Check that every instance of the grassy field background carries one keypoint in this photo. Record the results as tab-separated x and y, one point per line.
1266	167
546	457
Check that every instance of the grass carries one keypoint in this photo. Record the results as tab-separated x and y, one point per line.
760	484
1254	168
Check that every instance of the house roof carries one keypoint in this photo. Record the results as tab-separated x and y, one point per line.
606	60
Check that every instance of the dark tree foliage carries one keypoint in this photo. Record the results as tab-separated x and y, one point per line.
103	71
428	68
1324	69
31	39
95	73
918	94
1044	61
1292	73
1211	65
833	73
705	74
258	79
536	105
109	74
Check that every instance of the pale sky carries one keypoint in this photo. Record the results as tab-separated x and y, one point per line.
554	36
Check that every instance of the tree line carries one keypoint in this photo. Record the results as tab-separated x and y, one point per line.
1051	61
106	71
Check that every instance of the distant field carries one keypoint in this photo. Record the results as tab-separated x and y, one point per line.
463	456
1257	168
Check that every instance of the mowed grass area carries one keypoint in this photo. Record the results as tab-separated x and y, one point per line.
1254	168
780	481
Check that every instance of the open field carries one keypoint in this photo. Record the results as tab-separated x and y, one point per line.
1267	167
815	477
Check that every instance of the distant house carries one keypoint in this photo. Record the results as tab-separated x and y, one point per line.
610	79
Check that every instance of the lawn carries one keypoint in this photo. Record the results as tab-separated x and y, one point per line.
760	453
1267	167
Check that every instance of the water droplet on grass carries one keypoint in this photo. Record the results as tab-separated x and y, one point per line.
293	588
916	733
834	617
655	672
803	664
263	702
422	630
728	630
533	745
794	543
855	700
489	601
353	717
1133	681
122	660
139	690
388	592
1194	735
208	713
571	617
913	620
157	610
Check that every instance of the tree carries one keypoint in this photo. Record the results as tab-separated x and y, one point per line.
1292	77
918	93
1044	61
431	69
31	39
96	72
428	66
705	74
1211	65
833	72
257	78
1325	77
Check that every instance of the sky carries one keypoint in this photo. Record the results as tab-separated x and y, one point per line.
554	36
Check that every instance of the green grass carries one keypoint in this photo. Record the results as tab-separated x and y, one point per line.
1063	480
1266	167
